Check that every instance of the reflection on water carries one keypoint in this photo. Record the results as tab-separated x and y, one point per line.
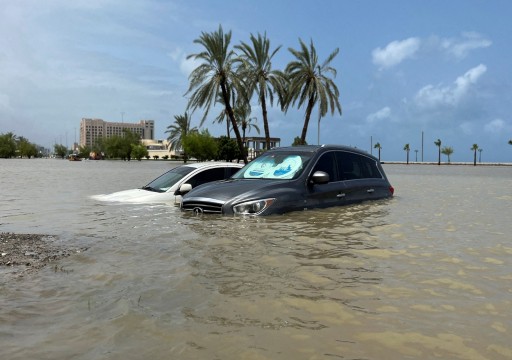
423	275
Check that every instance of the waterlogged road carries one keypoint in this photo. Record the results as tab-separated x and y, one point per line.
424	275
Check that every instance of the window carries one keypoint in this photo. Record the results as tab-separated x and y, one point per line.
352	166
207	176
326	164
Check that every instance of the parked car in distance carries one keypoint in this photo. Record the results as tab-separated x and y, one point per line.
294	178
167	187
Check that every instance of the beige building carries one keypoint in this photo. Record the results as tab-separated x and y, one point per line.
93	129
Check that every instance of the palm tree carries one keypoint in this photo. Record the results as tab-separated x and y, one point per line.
242	114
256	68
480	155
178	131
216	76
474	148
223	116
407	148
438	144
447	150
308	84
377	146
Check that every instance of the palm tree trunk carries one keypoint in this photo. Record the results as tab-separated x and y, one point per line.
474	159
265	120
309	110
231	115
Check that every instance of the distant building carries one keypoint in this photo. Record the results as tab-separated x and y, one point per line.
93	129
158	148
256	145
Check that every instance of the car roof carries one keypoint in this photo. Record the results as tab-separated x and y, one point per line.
317	148
198	165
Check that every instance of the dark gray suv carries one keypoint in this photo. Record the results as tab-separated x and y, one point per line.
294	178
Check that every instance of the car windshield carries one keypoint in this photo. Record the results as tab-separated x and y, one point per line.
165	181
275	165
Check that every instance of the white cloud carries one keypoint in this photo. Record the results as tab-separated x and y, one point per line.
432	96
382	114
466	128
496	126
460	47
395	52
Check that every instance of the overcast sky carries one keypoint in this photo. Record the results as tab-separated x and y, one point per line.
404	67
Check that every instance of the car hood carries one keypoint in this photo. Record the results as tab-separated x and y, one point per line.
137	196
234	190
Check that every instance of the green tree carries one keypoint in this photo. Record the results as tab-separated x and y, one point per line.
378	146
26	148
139	151
120	146
447	150
84	151
200	145
474	148
298	142
227	149
216	76
256	69
7	145
178	131
308	84
407	149
438	144
60	150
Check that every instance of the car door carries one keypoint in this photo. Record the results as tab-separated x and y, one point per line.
204	176
331	193
360	181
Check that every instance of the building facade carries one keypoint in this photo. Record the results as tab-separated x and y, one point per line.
93	129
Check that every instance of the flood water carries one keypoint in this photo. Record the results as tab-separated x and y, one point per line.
425	275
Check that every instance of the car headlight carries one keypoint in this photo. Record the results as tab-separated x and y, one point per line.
254	207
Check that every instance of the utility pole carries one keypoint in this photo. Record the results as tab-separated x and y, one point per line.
422	146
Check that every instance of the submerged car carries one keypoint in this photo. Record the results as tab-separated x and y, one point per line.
294	178
168	187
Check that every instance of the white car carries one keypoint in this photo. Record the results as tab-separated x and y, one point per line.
167	188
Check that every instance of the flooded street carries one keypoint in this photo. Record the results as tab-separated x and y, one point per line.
425	275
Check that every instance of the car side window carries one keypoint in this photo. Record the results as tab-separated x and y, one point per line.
349	166
207	176
370	169
353	166
327	164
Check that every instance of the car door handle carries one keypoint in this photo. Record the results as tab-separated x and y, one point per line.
340	195
369	191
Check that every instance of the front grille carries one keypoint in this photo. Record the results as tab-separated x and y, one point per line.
202	207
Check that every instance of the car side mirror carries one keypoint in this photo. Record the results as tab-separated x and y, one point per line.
184	188
319	177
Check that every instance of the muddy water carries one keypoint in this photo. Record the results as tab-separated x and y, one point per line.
427	274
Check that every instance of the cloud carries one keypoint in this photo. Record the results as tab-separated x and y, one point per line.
395	52
382	114
432	96
495	126
460	47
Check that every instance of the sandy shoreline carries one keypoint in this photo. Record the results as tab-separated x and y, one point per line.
22	254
